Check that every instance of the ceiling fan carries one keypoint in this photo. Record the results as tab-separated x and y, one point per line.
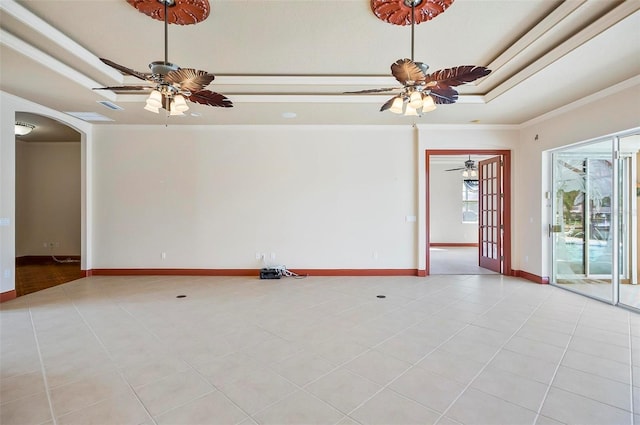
469	170
170	85
420	92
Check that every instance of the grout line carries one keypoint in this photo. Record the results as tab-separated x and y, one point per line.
111	358
386	386
555	372
491	359
192	368
42	369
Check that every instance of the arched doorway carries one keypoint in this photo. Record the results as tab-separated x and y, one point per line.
48	204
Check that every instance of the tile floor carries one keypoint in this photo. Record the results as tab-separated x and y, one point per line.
321	350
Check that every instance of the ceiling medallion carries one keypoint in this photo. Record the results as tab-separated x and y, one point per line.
180	12
398	12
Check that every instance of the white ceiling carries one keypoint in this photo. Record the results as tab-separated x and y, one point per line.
277	56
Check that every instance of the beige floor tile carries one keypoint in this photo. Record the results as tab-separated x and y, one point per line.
377	367
172	391
211	409
476	407
465	347
600	349
597	388
526	366
258	390
347	421
540	350
387	407
406	348
458	368
447	421
428	389
338	351
558	339
30	410
121	409
82	393
223	371
543	420
513	388
597	366
573	409
153	340
343	389
299	408
272	350
21	386
303	367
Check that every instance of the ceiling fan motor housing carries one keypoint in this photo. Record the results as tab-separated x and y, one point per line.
162	67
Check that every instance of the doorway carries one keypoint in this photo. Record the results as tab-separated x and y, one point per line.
48	204
485	219
594	224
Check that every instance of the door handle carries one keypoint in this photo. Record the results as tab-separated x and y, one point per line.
554	228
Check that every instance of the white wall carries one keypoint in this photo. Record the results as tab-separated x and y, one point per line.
603	115
445	207
48	177
212	197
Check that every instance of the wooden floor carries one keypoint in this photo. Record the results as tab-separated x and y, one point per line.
32	276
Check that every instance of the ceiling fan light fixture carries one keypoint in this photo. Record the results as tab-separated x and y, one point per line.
415	100
397	107
152	109
174	112
155	99
428	104
411	111
23	128
179	104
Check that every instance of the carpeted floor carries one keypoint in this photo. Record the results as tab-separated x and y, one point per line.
32	276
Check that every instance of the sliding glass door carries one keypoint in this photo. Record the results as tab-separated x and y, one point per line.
628	183
594	227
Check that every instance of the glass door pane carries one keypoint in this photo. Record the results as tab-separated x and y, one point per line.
581	229
628	205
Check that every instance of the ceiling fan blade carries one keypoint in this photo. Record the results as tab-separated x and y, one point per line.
207	97
124	88
126	70
189	79
373	90
457	75
387	104
444	95
405	70
456	169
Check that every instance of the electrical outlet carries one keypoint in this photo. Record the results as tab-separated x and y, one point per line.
273	255
257	256
163	255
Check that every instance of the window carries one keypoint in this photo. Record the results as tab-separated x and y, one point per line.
470	201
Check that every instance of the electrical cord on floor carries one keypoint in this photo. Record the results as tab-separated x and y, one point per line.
68	260
288	273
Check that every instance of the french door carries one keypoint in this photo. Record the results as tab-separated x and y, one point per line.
490	210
